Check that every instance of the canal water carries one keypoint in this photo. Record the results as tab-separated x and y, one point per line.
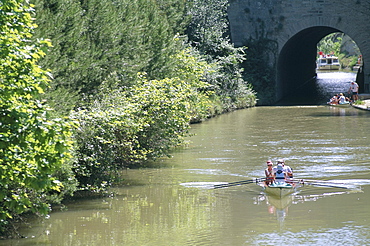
173	203
318	90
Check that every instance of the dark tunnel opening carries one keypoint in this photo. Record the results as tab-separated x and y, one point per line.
297	61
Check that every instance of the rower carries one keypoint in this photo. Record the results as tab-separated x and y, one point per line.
269	173
286	168
280	174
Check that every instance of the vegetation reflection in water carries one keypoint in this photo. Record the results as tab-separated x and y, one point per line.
152	208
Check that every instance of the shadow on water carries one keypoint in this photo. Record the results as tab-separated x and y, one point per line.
317	91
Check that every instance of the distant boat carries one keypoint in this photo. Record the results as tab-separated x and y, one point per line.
327	62
341	105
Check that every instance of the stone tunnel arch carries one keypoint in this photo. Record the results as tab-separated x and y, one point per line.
296	27
296	64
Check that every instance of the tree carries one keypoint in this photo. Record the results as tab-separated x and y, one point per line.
128	127
33	147
96	38
331	44
207	31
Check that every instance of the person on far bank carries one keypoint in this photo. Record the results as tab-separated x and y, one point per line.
269	173
354	91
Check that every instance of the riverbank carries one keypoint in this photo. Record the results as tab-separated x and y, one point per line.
366	102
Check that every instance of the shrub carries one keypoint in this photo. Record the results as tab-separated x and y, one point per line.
126	127
33	146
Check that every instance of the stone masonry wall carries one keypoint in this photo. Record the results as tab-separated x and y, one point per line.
280	20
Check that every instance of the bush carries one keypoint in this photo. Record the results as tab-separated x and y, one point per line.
33	146
125	127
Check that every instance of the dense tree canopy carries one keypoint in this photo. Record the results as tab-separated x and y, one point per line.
124	80
95	38
33	147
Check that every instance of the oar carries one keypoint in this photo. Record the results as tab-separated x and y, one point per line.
233	184
316	182
238	183
326	185
321	183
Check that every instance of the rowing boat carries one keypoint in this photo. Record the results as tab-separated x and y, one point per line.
280	203
279	189
344	105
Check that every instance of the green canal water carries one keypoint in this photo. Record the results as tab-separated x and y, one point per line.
173	205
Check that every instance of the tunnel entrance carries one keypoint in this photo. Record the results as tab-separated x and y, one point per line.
296	69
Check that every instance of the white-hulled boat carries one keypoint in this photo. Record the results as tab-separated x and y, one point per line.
341	105
280	203
280	189
327	62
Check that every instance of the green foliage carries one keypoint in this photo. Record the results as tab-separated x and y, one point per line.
136	36
208	23
106	133
331	44
93	39
98	55
191	67
359	102
207	32
125	128
165	108
33	147
351	61
99	48
176	12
